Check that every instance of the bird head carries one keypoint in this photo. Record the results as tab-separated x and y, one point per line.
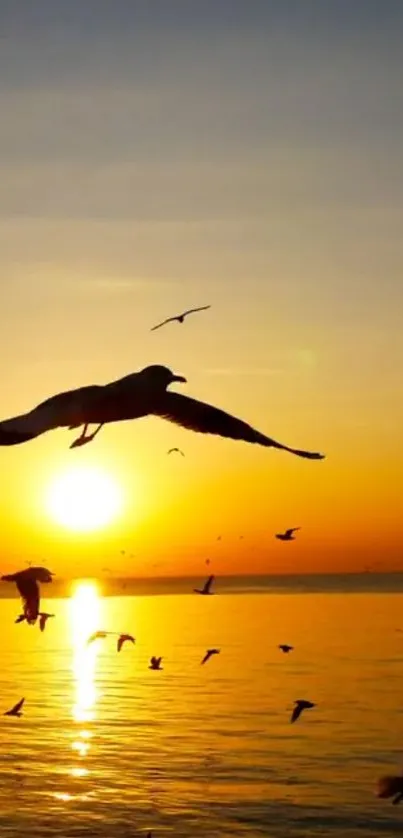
162	377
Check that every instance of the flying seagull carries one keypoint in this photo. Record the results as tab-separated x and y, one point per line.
175	451
140	394
43	618
155	663
98	635
300	705
16	710
285	648
209	654
180	318
391	786
288	534
27	582
123	638
206	588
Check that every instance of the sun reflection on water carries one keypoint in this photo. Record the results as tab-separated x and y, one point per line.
85	615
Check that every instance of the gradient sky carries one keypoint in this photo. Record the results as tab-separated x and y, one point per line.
158	155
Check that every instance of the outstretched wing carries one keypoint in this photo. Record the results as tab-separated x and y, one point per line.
17	707
291	530
206	656
168	320
62	410
193	310
206	419
208	584
296	713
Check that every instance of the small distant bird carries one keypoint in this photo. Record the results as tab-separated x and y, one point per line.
98	635
175	451
207	561
206	589
391	786
155	663
123	638
285	648
300	705
180	318
16	710
27	582
288	534
43	618
209	654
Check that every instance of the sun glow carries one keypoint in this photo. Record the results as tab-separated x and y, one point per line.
84	499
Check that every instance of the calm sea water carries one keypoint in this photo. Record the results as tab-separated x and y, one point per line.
107	747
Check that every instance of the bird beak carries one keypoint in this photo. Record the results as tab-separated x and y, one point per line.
179	378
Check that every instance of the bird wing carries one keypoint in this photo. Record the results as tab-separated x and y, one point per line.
208	584
291	530
206	656
121	641
62	410
193	310
29	591
204	418
17	707
168	320
296	713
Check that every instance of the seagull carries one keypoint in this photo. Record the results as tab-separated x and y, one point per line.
209	654
391	786
288	534
16	710
180	318
300	705
123	638
28	588
175	451
139	394
98	635
285	648
43	619
206	588
155	663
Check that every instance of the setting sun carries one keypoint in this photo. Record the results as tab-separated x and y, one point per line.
84	499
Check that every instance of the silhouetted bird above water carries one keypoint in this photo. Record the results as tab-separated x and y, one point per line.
179	318
300	705
155	663
288	534
140	394
209	654
16	710
124	638
27	582
175	451
285	648
391	786
206	588
98	635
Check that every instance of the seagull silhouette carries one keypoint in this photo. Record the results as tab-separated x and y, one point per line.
300	705
391	786
180	318
175	451
206	588
16	710
209	654
27	582
288	534
285	648
139	394
123	638
43	618
155	663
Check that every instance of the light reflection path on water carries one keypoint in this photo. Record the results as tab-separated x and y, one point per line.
85	619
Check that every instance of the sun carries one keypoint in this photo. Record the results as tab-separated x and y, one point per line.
84	499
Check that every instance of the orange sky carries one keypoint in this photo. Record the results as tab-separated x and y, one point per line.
150	166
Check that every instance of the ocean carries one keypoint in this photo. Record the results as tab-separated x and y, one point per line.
107	747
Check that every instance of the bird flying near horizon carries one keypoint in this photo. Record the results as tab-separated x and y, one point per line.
209	654
97	635
175	451
136	395
285	648
206	588
179	318
300	705
124	638
288	535
16	710
391	786
27	582
155	663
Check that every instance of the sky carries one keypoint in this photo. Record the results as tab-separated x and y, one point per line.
160	155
